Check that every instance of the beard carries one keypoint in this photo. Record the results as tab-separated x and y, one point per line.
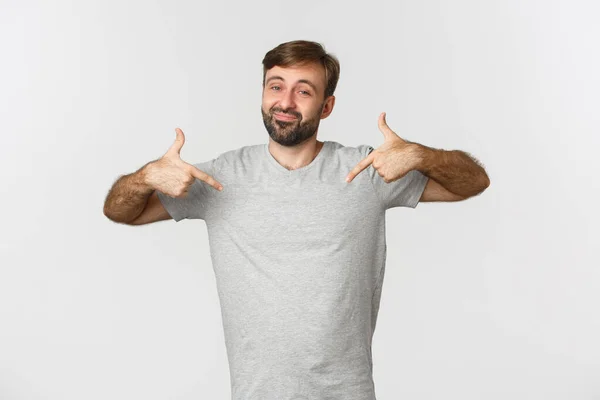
290	133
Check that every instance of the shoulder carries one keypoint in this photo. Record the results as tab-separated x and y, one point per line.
244	155
234	164
242	152
350	154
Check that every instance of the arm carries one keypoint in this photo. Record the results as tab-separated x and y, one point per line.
153	212
454	175
132	201
435	192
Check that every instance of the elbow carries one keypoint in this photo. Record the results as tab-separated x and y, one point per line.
480	187
108	213
111	217
485	182
115	217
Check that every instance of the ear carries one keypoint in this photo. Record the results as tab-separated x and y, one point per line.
328	107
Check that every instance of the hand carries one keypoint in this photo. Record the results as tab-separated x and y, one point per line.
173	176
393	159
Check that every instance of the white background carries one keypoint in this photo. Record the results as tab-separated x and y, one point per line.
492	298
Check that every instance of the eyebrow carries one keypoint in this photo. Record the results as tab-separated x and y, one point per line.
309	83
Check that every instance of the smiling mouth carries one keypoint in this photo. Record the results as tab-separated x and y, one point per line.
284	117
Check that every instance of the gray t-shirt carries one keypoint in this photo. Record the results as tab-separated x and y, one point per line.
299	260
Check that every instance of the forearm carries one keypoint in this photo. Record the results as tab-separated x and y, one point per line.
455	170
128	197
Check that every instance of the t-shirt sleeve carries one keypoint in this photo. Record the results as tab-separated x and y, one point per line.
195	203
403	192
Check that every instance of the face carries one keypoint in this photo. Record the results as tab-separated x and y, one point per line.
293	103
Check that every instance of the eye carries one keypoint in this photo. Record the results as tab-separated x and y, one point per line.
275	87
304	91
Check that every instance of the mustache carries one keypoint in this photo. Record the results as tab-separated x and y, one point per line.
280	111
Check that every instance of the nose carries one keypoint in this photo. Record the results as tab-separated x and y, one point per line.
287	100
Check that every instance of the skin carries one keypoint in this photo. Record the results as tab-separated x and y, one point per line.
293	142
297	92
455	175
393	159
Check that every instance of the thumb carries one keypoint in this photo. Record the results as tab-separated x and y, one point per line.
178	144
384	128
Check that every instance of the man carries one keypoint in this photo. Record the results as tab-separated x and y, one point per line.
297	231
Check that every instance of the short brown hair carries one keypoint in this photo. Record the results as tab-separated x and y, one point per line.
301	52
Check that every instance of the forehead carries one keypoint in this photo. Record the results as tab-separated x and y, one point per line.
313	72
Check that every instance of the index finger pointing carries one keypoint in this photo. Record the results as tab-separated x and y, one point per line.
361	166
203	176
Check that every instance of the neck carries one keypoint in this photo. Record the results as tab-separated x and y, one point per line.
297	156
